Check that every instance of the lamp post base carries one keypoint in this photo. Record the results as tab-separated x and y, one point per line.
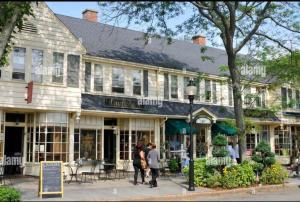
191	176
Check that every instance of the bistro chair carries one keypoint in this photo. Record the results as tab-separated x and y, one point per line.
3	176
89	171
124	169
73	172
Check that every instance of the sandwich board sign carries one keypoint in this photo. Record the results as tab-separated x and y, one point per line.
51	178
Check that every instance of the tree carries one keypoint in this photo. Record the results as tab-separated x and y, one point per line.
238	25
12	14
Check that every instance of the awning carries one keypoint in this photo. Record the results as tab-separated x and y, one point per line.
178	126
223	128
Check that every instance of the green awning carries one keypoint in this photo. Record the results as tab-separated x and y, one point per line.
223	128
178	126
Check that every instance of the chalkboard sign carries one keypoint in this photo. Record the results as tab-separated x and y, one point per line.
51	178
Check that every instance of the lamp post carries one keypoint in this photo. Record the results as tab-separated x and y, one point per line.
191	91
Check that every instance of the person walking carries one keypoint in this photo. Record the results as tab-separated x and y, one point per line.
237	154
138	157
147	149
231	153
153	159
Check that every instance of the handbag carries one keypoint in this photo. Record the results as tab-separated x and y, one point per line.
143	164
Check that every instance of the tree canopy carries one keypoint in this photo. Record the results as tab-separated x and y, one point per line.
250	25
12	14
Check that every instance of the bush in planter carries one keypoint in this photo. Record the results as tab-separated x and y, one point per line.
241	175
275	174
201	172
174	165
9	194
214	180
263	156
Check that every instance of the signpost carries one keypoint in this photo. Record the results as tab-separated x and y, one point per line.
51	178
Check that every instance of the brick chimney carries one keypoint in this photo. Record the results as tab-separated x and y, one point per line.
90	15
200	40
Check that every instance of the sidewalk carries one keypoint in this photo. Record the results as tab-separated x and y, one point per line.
124	190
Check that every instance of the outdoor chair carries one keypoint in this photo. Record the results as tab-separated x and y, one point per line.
88	171
3	176
109	169
73	172
124	169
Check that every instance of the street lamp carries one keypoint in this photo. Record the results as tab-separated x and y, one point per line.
191	92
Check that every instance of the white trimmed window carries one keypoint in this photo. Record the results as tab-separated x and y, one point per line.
137	82
19	63
118	80
58	68
174	86
98	77
282	141
37	65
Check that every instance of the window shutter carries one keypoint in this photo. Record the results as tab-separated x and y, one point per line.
145	72
284	97
87	77
166	86
73	71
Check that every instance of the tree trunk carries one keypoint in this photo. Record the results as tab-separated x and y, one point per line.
238	105
7	31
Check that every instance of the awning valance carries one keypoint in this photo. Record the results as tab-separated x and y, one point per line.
178	126
223	128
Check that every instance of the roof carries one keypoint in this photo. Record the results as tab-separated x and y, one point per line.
112	42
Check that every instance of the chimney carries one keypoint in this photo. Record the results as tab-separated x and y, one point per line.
90	15
200	40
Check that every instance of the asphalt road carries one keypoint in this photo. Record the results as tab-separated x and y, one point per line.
291	193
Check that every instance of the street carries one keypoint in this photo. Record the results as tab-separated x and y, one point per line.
291	193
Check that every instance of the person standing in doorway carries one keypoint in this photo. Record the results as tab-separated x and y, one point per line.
153	159
138	156
231	152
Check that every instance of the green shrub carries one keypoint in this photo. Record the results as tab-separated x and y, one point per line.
9	194
173	165
219	140
220	151
201	172
275	174
241	175
215	180
263	156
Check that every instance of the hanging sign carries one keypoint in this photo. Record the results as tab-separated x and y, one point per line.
29	92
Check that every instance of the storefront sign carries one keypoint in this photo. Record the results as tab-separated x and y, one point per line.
51	178
203	120
122	103
29	92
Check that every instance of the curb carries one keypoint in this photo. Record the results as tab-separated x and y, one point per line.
215	192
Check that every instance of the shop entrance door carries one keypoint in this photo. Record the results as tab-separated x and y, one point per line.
109	146
13	149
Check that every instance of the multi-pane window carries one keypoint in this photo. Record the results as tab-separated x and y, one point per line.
298	99
166	86
284	97
98	77
124	139
230	94
282	141
87	77
37	65
76	144
250	142
19	63
52	137
117	80
30	136
207	90
88	143
58	67
247	95
137	82
290	96
186	81
264	134
260	98
73	70
214	91
174	86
